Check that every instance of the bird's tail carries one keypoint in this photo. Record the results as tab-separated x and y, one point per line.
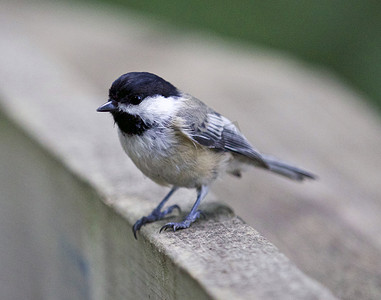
286	169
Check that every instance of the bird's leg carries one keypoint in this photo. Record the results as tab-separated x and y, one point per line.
193	215
156	214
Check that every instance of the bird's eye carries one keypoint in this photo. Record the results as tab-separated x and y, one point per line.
136	99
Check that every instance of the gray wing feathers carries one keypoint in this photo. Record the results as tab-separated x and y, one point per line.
208	128
214	131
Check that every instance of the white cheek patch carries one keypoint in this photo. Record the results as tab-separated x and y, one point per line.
153	108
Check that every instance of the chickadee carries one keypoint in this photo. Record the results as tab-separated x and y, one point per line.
177	140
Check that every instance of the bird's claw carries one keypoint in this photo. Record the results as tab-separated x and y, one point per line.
184	224
175	226
138	224
154	216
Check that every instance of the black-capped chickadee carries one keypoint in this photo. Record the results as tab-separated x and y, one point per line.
177	140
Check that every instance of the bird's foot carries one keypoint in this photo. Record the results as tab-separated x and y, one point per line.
184	224
155	215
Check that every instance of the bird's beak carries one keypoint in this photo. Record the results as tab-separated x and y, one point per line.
109	106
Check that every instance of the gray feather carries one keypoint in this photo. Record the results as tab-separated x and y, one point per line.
208	128
286	169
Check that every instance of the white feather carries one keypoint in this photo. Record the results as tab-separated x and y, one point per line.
157	108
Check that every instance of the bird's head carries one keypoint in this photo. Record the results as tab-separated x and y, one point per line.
142	97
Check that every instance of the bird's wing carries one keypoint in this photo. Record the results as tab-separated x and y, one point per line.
212	130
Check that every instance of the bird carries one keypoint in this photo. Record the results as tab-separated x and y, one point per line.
178	141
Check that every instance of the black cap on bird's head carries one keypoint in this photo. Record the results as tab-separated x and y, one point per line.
134	87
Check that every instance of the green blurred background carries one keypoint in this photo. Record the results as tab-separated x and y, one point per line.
344	35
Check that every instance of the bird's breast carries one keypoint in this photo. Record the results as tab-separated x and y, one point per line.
171	159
